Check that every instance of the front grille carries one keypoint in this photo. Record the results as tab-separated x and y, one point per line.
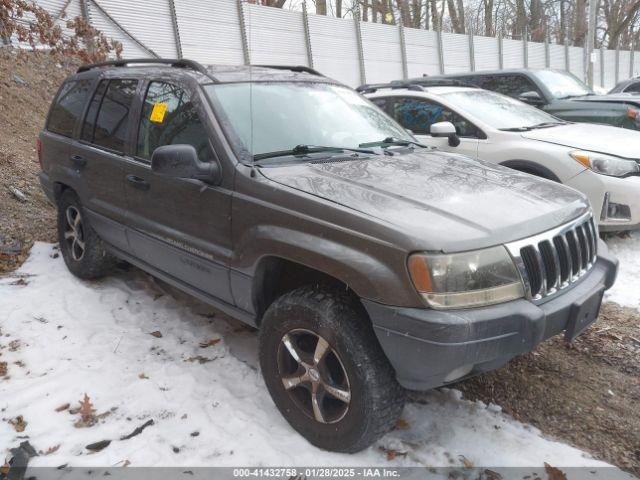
553	260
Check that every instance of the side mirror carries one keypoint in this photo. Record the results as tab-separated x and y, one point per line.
532	98
445	129
181	161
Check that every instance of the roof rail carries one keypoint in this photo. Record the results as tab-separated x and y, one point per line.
173	62
293	68
370	88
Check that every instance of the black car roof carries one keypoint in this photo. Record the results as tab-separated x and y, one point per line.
139	68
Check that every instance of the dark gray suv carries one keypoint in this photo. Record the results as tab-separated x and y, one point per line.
369	262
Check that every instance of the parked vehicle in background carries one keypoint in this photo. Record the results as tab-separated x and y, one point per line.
601	161
368	261
557	92
631	85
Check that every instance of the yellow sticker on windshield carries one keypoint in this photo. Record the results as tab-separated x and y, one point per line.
157	114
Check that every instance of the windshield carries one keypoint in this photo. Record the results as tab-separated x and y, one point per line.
562	84
270	117
498	111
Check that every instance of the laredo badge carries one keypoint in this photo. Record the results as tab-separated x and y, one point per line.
157	114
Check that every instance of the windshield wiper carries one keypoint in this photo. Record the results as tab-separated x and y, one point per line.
532	127
306	149
547	124
515	129
392	141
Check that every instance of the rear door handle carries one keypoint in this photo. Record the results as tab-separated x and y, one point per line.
78	160
137	182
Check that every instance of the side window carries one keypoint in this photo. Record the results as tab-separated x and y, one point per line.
68	107
381	103
510	85
418	115
169	118
634	87
89	125
110	130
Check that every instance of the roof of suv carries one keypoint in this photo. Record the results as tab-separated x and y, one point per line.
205	74
481	72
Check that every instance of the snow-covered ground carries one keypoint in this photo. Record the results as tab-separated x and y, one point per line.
62	338
626	290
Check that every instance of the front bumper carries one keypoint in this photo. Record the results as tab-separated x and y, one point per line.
623	191
425	346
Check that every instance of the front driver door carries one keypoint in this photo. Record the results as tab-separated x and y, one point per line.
178	226
418	114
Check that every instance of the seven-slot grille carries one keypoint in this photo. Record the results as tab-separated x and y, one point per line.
552	261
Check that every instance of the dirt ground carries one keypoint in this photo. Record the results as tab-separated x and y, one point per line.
586	393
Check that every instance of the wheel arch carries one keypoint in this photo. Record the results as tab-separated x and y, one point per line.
532	168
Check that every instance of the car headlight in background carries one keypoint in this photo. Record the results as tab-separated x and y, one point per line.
606	164
463	280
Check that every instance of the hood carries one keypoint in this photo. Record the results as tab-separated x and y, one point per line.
611	98
621	142
440	201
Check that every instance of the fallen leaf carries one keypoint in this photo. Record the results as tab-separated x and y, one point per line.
63	407
467	463
18	423
210	343
138	430
392	454
96	447
50	450
200	359
156	334
402	424
87	413
554	473
3	369
492	475
142	376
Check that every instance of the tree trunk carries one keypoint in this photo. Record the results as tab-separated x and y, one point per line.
339	8
488	18
321	7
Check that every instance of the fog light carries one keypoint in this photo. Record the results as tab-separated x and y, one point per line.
615	211
459	372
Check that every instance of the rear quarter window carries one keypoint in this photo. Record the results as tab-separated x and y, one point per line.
68	107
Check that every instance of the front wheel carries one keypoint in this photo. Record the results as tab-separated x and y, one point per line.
326	371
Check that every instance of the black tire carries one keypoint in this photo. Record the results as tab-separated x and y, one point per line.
376	398
90	262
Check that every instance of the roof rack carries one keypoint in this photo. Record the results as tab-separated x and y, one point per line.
417	84
173	62
293	68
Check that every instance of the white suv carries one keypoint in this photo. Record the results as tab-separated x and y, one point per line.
601	161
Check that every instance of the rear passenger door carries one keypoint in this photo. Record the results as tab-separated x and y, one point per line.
181	227
100	155
418	114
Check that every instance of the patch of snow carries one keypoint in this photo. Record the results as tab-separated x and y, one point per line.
75	337
625	291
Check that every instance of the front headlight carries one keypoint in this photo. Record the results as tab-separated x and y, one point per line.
463	280
606	164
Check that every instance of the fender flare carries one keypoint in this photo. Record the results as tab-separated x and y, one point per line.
532	168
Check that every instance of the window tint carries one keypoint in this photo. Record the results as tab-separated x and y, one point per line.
511	85
68	107
110	129
418	115
169	118
380	103
89	125
634	87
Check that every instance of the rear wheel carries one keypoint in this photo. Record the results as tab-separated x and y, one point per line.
325	370
82	250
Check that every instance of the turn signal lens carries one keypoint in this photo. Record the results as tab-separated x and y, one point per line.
419	271
632	113
581	157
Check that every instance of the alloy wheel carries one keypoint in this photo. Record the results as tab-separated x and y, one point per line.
314	376
74	233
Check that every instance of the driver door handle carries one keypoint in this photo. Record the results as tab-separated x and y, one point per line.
137	182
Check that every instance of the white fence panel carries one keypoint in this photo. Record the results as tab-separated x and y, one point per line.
486	51
103	23
422	52
382	52
275	36
513	55
636	64
455	49
536	55
623	66
556	56
576	61
335	48
62	11
210	31
609	80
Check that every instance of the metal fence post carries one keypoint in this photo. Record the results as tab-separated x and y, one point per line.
632	55
176	30
356	22
617	62
547	52
472	53
525	48
500	52
602	66
307	33
567	63
243	34
440	51
403	50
